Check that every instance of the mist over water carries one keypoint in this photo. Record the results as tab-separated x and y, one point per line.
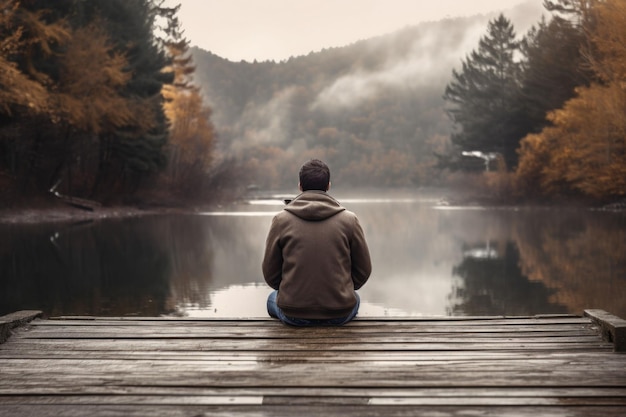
428	259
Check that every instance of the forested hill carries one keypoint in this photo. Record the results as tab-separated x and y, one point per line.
373	109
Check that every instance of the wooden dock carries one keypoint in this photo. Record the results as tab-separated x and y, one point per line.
466	366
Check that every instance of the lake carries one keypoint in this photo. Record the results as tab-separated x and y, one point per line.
428	260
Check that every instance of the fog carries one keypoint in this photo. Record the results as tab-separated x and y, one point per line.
411	57
427	260
385	91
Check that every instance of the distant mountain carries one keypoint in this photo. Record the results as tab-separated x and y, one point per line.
373	109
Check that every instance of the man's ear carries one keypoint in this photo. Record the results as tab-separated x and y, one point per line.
299	186
328	186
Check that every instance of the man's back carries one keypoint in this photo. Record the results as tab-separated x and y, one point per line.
316	256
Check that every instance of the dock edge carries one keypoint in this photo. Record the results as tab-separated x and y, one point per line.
13	320
612	327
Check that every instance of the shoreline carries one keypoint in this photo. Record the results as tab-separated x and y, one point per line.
70	214
65	213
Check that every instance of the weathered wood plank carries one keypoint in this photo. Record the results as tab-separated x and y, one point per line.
306	356
374	338
306	411
286	399
307	333
613	328
556	365
25	367
369	392
359	322
207	344
10	321
363	376
203	345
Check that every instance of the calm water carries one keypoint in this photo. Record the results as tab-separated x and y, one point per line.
427	260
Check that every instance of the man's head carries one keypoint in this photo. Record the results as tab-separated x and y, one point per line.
314	175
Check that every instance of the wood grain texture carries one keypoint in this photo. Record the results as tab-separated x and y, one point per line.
471	366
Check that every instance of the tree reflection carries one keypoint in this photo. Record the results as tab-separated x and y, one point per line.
146	266
426	262
546	261
107	268
580	256
494	284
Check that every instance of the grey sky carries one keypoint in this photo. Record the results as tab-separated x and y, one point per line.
278	29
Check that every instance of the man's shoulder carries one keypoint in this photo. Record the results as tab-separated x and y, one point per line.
348	214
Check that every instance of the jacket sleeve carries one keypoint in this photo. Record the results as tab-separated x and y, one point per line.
359	252
272	265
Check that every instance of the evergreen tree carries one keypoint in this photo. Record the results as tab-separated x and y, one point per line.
137	149
578	10
82	80
482	94
191	132
583	152
552	69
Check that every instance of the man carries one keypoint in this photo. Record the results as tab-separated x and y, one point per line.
316	256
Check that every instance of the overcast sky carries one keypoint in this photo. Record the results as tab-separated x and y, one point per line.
277	29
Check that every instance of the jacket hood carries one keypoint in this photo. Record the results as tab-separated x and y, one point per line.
314	205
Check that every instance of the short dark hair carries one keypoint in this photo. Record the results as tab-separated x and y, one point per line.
314	175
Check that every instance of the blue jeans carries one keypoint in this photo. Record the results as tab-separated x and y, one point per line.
277	313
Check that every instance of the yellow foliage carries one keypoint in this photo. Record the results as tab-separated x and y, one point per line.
91	78
18	89
191	133
609	40
42	35
585	149
581	273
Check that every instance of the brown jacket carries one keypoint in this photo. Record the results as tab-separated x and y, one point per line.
316	256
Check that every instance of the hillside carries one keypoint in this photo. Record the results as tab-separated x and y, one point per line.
373	110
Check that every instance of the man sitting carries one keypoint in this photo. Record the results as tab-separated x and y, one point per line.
316	256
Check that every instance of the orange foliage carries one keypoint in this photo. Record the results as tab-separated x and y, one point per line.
609	40
18	89
91	78
585	149
582	274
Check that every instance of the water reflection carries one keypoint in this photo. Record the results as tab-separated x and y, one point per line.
427	261
101	268
493	283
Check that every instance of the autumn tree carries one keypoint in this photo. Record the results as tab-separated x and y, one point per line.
191	133
81	88
481	95
88	102
584	152
608	57
18	91
191	140
28	35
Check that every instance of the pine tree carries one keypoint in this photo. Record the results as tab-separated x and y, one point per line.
137	149
551	70
191	131
482	94
583	152
577	10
